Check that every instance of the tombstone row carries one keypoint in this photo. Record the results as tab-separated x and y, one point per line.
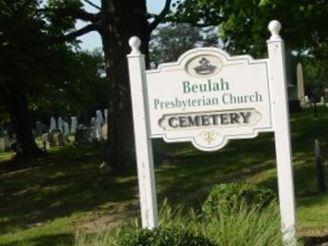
60	129
56	134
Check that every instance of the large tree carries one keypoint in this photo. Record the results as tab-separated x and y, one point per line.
20	39
116	21
38	73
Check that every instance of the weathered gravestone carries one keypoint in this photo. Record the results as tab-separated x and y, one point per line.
99	117
49	138
45	141
74	124
60	124
104	130
59	138
207	98
66	128
106	116
300	84
82	136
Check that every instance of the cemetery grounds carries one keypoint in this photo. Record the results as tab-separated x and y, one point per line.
64	194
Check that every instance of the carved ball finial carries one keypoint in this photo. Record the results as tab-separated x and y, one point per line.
274	27
135	43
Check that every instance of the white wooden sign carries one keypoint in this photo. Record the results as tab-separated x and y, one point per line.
202	99
208	97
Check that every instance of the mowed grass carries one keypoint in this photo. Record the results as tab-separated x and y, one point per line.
65	192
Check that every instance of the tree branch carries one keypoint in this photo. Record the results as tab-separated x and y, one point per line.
74	13
92	4
160	17
73	35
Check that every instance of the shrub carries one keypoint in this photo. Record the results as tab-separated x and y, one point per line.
229	197
244	227
163	237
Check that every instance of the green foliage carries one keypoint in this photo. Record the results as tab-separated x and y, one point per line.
243	24
245	227
76	85
315	72
57	16
163	237
170	41
56	78
228	197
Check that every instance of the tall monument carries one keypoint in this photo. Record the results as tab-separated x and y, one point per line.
300	83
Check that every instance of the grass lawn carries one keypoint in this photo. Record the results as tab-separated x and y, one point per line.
64	192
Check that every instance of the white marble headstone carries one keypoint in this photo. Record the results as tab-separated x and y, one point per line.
99	117
60	124
66	128
53	124
74	124
106	115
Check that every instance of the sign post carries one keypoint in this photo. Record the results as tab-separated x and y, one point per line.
207	98
144	151
282	132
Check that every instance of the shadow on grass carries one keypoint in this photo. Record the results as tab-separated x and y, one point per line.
318	240
46	240
190	181
67	182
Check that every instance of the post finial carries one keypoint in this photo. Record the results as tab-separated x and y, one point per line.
274	27
135	43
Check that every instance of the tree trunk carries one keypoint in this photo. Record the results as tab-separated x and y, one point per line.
15	101
124	19
16	104
19	114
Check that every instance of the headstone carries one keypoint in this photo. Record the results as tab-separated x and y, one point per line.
99	117
58	139
300	83
53	124
106	116
66	128
45	141
82	136
306	100
74	124
98	128
104	130
93	129
51	139
61	139
60	124
322	100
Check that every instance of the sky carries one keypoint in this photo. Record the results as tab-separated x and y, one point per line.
92	40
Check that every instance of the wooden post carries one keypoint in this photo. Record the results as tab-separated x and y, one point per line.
319	167
278	83
144	151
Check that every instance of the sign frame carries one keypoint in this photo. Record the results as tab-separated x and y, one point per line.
280	127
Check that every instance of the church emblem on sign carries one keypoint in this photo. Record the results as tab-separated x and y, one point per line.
205	67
